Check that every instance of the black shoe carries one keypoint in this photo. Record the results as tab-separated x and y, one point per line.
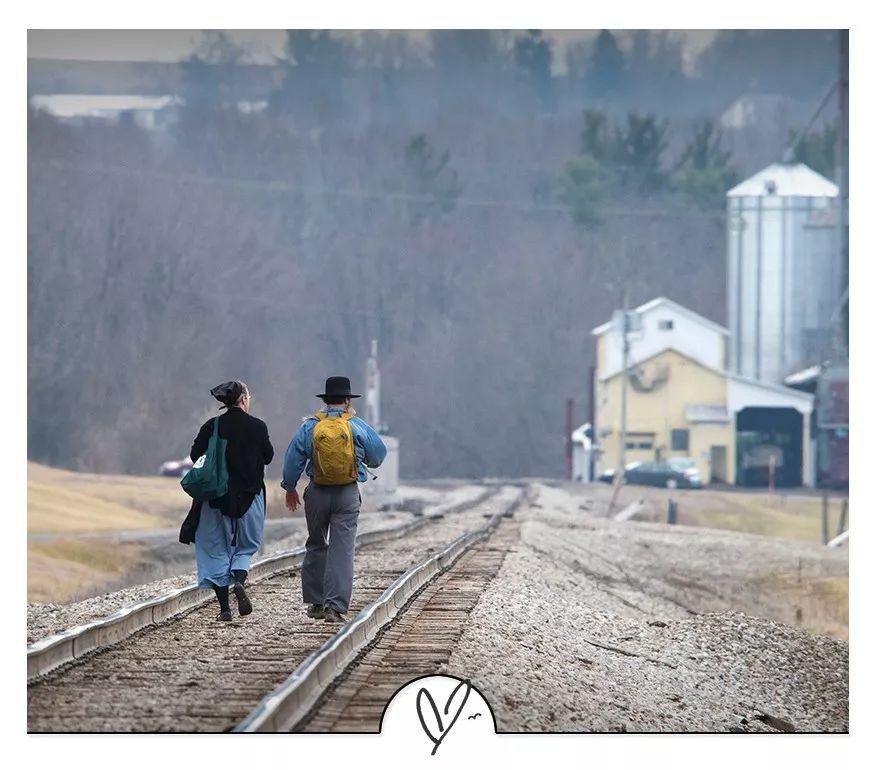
315	611
331	615
225	616
244	605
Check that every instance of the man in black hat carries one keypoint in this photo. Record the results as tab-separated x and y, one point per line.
333	448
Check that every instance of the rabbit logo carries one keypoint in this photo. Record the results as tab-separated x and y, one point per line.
438	711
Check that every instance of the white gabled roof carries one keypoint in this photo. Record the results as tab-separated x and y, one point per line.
742	392
786	179
660	301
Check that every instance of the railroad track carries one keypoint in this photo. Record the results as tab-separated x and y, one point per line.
419	642
189	673
75	643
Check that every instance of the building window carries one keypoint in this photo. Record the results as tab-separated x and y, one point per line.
639	441
666	326
680	440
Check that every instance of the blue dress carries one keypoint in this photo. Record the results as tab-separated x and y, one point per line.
215	555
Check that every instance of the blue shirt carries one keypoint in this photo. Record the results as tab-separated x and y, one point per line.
369	449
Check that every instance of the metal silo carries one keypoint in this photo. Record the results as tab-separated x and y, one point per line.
783	273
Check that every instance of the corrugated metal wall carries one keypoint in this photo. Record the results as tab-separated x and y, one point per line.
782	283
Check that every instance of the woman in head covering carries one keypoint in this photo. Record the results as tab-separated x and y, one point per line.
230	527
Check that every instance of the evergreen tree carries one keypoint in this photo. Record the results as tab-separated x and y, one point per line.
655	63
818	149
208	74
466	50
794	62
607	66
533	58
583	187
431	178
315	62
638	152
702	172
597	136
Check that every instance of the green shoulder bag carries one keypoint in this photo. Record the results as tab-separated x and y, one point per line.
209	477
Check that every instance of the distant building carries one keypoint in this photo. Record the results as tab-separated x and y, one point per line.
830	420
783	274
755	126
582	453
769	111
784	291
147	111
682	402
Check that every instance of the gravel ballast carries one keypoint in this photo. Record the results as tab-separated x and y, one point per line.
595	625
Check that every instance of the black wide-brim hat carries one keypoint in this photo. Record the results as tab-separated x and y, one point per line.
338	387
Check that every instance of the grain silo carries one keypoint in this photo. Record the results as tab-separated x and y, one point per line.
783	271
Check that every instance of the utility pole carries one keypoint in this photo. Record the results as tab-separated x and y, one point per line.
373	388
621	469
625	377
569	442
842	178
592	427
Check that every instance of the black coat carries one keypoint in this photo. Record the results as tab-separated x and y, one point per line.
248	451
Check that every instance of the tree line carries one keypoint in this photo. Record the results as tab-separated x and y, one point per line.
476	232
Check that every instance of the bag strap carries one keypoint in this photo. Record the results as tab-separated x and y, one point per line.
217	426
324	416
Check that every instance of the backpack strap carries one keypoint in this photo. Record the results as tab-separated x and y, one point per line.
324	416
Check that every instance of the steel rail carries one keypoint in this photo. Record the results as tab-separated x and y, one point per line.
290	702
45	655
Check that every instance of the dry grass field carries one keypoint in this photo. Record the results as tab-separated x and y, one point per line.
65	501
69	504
74	517
778	516
61	570
794	517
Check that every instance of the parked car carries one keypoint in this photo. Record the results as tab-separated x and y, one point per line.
672	473
607	476
176	468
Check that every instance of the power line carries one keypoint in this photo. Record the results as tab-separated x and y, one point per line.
281	187
788	156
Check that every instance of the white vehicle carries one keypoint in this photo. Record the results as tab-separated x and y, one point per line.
175	468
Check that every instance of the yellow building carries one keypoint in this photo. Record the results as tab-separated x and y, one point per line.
681	402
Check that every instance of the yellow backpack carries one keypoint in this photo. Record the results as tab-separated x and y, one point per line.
333	456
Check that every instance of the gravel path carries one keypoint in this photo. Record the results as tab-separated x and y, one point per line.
47	619
598	625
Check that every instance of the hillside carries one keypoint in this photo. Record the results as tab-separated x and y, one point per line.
67	510
65	501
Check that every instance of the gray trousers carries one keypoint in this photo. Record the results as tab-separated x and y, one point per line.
328	568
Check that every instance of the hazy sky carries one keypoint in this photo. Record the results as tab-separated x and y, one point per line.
136	44
174	44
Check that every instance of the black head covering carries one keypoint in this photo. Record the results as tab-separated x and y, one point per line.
338	387
229	392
